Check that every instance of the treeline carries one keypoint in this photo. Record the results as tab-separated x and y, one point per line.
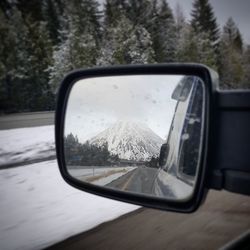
153	162
41	40
86	154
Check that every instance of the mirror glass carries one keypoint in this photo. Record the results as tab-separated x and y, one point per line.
138	133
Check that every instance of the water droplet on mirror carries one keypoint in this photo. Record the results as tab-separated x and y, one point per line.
185	136
193	120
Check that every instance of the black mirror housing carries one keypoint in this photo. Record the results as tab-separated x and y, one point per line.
210	79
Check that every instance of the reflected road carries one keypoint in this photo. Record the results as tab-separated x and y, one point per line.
141	180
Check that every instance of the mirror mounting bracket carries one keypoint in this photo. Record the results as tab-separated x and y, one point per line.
229	145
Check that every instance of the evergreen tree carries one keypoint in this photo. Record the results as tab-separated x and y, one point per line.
206	52
52	15
183	35
180	21
7	61
123	42
187	50
14	59
197	41
231	63
157	18
232	36
140	47
206	31
141	12
43	40
114	9
38	95
30	9
5	7
24	80
154	162
191	48
246	68
72	150
203	20
80	44
165	37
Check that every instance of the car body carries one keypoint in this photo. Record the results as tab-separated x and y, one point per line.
219	165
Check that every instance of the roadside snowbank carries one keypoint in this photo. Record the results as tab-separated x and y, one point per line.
38	208
24	144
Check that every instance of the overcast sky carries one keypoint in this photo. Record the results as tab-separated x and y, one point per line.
237	9
96	104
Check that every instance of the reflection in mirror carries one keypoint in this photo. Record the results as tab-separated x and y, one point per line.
138	133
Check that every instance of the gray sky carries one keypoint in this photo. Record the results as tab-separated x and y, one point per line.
95	104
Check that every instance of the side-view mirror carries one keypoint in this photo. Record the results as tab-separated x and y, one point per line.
163	155
137	133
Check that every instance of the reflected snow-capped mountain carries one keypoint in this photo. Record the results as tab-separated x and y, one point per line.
130	140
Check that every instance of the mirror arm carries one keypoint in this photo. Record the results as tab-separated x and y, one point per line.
163	154
229	155
208	76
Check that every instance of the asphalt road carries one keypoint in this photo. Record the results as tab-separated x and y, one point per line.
24	120
139	180
222	217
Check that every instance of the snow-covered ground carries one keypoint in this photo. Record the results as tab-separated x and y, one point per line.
37	207
18	145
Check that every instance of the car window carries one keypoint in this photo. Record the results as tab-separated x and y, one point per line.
40	42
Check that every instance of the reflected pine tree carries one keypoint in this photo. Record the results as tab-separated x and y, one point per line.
86	154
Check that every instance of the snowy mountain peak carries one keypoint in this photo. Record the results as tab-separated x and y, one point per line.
130	140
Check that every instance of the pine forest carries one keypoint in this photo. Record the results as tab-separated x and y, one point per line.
42	40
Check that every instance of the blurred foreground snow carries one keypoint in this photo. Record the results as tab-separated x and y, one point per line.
37	207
